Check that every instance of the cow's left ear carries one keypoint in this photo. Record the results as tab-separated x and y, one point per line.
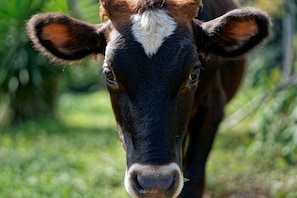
234	33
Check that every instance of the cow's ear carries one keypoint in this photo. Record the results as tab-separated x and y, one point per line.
63	38
234	33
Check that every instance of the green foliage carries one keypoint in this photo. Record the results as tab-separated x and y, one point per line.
14	50
56	6
272	7
275	123
272	116
27	78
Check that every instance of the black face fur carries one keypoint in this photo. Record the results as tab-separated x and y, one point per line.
153	96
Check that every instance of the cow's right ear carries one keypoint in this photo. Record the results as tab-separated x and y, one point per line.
63	38
233	34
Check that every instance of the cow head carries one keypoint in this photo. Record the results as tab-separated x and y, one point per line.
154	51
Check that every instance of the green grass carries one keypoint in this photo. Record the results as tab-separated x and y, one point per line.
81	156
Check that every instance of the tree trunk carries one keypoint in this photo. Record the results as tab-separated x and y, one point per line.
29	103
288	36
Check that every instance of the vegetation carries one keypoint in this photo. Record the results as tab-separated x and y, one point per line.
28	82
80	156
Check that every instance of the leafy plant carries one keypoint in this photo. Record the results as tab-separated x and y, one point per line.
28	79
277	124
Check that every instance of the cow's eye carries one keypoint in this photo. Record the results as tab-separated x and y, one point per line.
110	78
194	75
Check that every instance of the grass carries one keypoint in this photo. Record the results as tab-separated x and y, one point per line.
81	156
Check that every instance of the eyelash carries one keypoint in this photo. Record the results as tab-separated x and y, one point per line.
110	78
195	73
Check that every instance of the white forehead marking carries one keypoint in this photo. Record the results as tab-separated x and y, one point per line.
151	28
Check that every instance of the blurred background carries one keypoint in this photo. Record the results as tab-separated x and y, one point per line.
58	136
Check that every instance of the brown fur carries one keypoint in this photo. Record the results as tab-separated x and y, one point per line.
181	10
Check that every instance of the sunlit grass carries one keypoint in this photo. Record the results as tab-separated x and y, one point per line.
80	156
239	167
236	168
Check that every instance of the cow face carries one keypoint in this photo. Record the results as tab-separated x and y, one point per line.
152	88
153	54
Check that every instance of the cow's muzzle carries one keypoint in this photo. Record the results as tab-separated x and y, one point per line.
149	181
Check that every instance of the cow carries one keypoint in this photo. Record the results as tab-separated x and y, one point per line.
156	52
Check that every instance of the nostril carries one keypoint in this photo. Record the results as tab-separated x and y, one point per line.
155	184
154	181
